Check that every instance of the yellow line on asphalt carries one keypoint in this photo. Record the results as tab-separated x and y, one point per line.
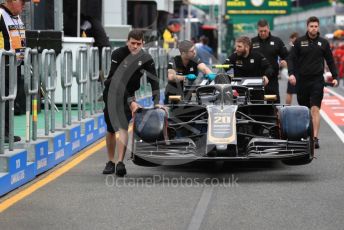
52	176
55	174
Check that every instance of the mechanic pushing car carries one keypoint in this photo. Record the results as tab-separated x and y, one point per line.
248	63
182	67
307	56
127	66
272	48
228	121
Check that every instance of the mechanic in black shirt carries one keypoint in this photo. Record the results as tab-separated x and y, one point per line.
307	56
272	48
247	63
184	66
128	64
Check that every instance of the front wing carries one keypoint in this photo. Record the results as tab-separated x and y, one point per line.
181	151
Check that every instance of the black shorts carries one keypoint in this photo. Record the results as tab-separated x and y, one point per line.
121	117
310	93
291	89
273	88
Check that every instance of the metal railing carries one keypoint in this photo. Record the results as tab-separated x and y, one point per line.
106	61
42	67
105	69
81	73
66	84
31	80
94	76
7	96
48	79
163	64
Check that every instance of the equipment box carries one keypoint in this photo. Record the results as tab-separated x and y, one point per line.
44	39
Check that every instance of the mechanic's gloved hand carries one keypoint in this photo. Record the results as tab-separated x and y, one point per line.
210	76
191	76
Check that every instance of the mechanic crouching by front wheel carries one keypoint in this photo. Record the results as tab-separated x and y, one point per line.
184	66
128	64
307	56
247	63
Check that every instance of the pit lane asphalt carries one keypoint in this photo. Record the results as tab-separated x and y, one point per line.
197	196
340	90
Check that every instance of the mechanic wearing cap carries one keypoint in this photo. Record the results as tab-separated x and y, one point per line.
12	37
307	57
184	66
128	64
248	63
272	48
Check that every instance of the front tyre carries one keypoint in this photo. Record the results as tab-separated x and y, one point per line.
296	123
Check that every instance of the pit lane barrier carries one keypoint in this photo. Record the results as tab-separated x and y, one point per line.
41	150
72	131
37	148
15	169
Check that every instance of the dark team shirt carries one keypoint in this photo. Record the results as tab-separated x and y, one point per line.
307	57
127	70
176	63
254	65
96	31
272	48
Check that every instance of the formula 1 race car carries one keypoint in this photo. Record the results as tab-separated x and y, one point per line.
234	121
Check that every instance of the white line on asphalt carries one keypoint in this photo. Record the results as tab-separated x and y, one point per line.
331	101
339	114
335	93
334	127
337	108
201	209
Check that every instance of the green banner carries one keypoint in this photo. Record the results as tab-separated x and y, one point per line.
257	7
